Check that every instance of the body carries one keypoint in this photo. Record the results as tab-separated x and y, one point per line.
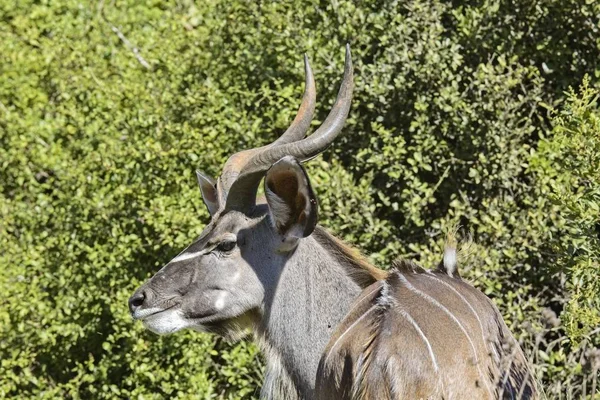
264	266
423	335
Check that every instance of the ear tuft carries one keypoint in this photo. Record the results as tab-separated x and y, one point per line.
292	204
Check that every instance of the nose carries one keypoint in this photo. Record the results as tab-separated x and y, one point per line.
136	301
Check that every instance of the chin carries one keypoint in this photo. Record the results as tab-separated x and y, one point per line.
165	322
173	320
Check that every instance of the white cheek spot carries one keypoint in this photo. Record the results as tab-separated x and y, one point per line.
236	276
220	302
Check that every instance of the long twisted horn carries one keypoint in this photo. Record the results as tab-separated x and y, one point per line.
301	123
296	131
242	191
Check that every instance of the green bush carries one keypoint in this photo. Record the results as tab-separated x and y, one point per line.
568	186
106	111
567	164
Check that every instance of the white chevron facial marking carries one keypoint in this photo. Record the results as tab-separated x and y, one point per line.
186	256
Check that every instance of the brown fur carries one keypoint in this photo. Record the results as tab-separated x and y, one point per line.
357	266
423	335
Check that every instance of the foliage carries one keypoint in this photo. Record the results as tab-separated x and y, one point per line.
106	111
568	180
567	163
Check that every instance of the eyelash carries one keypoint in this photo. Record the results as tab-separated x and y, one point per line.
226	246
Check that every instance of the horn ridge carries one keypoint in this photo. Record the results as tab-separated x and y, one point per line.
317	142
246	183
301	123
236	163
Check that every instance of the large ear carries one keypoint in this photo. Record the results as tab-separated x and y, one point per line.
292	203
208	186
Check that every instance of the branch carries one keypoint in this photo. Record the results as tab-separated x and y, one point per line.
135	50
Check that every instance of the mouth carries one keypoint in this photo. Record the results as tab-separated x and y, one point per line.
149	312
202	317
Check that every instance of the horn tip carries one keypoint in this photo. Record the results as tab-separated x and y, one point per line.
348	60
307	68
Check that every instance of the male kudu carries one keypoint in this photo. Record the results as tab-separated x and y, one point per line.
330	325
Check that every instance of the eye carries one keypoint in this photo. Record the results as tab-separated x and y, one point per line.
226	246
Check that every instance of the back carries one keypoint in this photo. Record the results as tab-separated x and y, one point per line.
423	335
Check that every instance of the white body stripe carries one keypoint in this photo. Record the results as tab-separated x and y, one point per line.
443	308
370	308
432	276
361	300
348	330
410	319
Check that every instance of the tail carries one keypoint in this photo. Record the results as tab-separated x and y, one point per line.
449	263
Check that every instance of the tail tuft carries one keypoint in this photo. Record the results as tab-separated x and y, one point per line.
449	263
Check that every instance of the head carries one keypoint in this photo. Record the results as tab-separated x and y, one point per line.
219	282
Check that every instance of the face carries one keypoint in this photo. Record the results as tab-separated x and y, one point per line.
218	283
215	285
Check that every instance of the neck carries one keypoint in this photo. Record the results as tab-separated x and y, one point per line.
316	288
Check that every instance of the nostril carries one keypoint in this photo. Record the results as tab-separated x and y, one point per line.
136	301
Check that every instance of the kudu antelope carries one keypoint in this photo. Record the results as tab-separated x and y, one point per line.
330	325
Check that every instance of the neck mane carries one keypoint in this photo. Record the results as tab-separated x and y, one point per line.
316	288
356	265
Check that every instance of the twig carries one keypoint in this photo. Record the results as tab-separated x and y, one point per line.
444	176
594	382
130	46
